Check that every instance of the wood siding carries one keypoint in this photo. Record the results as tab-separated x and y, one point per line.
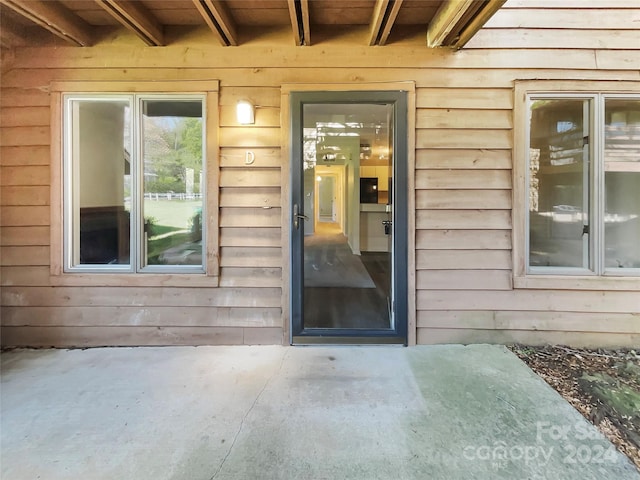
463	184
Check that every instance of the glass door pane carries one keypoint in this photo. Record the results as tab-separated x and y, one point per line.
347	202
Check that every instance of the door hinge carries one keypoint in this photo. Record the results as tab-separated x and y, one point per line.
585	230
585	140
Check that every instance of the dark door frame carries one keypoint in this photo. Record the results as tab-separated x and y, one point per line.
397	334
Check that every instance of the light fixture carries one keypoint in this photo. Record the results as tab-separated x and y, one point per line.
245	113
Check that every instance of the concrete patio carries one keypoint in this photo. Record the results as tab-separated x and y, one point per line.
439	412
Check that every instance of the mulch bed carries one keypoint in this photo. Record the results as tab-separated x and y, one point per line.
603	385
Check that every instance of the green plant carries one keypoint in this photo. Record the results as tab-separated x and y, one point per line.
195	226
150	224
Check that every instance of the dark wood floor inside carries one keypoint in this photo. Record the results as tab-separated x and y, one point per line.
357	308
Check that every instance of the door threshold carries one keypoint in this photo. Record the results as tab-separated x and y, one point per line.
346	340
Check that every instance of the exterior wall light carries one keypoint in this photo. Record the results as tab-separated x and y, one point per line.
245	113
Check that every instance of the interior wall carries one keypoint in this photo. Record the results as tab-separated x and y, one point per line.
351	147
463	186
335	175
100	132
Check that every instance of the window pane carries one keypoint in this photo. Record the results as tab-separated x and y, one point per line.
99	150
559	184
622	183
173	182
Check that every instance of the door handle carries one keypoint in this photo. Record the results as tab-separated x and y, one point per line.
297	216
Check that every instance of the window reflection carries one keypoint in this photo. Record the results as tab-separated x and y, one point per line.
101	163
135	195
622	183
173	182
559	184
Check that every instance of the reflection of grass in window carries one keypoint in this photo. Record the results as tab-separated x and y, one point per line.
163	230
158	245
171	228
173	213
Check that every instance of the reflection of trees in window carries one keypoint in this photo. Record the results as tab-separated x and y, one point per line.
534	183
172	149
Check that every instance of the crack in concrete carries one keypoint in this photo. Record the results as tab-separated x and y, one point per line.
244	417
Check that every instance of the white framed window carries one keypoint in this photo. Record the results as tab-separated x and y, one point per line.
134	183
576	184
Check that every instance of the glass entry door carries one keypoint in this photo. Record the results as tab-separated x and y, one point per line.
348	238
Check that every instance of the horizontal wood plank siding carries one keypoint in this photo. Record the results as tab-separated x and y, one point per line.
463	199
463	184
544	38
25	175
555	301
463	196
141	296
24	116
25	155
463	179
120	316
531	320
131	335
25	215
464	118
24	255
527	337
17	236
609	15
556	25
19	82
25	195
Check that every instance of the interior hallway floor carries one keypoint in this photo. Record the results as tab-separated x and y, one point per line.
344	290
272	412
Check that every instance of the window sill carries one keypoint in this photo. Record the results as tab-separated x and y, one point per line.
133	280
556	282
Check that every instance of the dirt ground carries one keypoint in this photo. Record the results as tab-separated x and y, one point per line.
603	385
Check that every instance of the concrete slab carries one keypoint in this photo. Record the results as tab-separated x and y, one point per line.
437	412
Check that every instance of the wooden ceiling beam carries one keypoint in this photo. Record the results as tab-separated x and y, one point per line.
377	21
296	23
56	18
299	15
306	24
445	20
384	17
483	16
135	17
217	17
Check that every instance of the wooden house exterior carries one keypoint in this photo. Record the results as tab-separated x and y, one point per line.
467	280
